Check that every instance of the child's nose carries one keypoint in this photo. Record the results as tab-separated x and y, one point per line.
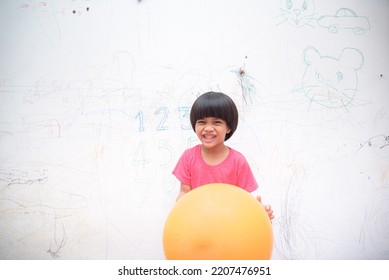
209	127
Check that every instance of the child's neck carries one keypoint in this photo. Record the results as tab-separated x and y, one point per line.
215	155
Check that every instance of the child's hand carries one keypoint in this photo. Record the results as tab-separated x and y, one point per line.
268	209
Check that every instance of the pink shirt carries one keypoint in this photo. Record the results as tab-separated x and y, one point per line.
192	170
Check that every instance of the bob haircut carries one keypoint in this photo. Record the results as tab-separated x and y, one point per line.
216	105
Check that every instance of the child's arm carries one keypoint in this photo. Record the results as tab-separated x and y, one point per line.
183	190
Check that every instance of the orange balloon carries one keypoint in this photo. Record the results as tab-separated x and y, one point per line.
218	222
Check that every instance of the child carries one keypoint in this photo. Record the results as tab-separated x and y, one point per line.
214	118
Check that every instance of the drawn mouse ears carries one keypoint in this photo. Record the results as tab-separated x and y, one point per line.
311	55
350	57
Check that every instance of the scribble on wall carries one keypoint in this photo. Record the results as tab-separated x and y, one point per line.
373	233
53	19
11	177
59	240
379	144
247	86
297	235
26	197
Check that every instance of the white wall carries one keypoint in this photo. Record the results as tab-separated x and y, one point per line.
93	103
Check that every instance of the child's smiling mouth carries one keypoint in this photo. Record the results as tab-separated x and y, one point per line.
209	137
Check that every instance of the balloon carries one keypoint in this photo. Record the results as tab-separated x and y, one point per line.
218	222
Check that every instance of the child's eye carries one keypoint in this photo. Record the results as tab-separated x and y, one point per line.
218	122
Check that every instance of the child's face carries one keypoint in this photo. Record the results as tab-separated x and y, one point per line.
211	131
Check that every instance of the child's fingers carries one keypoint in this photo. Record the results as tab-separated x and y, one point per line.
269	211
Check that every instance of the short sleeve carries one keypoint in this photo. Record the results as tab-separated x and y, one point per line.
182	169
246	179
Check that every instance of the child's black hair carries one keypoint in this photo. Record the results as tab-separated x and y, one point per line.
216	105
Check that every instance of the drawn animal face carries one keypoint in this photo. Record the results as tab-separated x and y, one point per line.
330	81
297	12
